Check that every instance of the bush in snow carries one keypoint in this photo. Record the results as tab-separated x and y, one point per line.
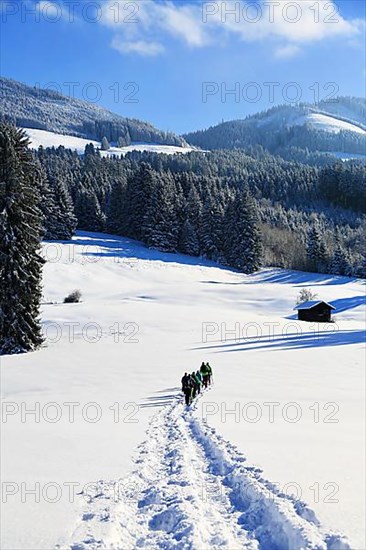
73	298
305	295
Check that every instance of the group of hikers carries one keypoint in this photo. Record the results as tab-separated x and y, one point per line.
192	383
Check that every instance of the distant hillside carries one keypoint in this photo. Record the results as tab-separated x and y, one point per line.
47	110
338	126
50	139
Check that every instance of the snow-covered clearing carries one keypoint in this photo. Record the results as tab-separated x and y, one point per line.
288	398
50	139
166	149
346	156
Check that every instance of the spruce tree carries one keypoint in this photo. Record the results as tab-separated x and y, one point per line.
138	192
89	213
340	264
188	240
316	250
242	244
20	234
160	225
116	208
89	150
58	210
211	231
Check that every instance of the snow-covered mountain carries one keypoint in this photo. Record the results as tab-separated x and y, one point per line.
50	111
338	126
96	428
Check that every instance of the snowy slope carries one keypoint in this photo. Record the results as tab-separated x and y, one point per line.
50	139
328	123
298	116
146	317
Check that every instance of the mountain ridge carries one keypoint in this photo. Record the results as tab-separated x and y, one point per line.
51	111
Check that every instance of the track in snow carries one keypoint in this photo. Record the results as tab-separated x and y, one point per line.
192	490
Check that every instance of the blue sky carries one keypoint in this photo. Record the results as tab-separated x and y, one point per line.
174	63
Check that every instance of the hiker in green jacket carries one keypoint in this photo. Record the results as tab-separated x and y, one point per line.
205	374
198	383
209	370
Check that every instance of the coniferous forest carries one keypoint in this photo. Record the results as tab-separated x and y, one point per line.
242	208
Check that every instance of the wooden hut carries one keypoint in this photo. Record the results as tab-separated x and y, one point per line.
315	311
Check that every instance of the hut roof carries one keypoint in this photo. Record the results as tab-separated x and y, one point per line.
311	304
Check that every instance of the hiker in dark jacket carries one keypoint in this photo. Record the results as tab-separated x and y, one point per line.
209	370
187	388
185	380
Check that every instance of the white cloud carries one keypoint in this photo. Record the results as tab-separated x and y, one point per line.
140	47
183	21
285	25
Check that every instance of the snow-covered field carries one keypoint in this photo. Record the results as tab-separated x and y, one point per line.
282	425
50	139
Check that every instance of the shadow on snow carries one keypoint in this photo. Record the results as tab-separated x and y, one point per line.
167	398
293	340
295	278
112	246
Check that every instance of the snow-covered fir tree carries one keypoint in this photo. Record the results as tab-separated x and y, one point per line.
242	242
188	241
139	189
211	231
116	207
60	221
160	224
88	210
340	263
105	144
316	250
20	234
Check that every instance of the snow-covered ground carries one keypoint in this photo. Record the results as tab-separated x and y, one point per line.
282	425
50	139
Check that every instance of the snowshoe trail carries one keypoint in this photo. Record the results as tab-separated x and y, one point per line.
192	490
